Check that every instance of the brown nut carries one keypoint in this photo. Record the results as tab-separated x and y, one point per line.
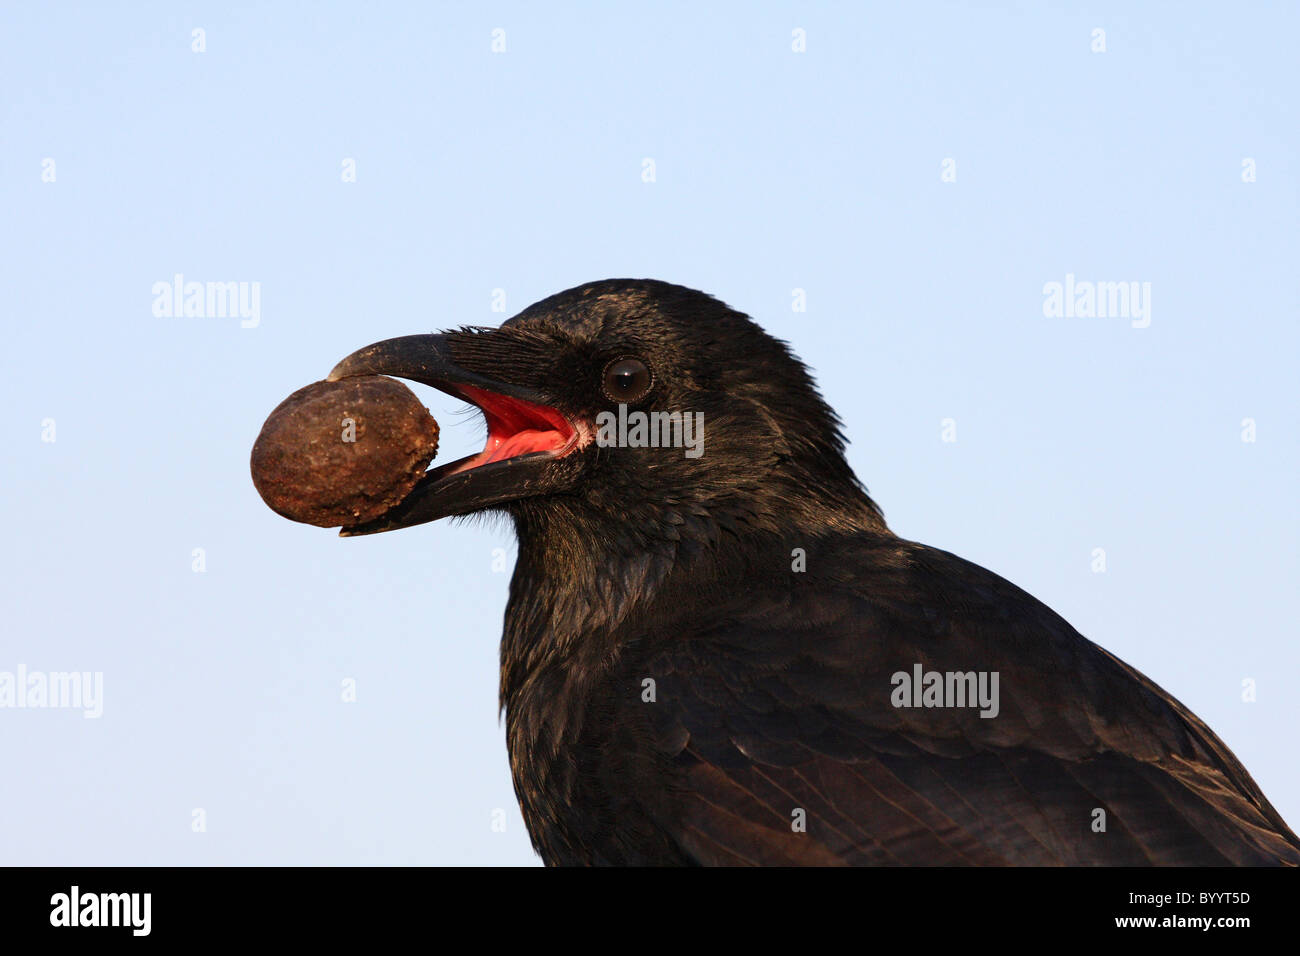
342	453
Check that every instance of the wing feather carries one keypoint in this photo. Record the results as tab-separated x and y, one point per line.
779	718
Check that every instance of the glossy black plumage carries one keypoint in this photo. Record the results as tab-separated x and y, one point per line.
771	686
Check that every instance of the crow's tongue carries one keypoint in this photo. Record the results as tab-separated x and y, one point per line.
521	443
516	427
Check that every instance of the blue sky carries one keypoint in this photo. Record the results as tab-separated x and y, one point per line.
522	171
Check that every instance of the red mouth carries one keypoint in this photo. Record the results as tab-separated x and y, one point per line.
516	427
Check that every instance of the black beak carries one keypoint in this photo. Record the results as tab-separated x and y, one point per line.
466	485
421	358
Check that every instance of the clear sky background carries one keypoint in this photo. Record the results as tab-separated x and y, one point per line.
523	171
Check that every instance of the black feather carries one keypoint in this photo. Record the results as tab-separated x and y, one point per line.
772	687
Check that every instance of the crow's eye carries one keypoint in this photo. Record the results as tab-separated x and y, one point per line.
627	380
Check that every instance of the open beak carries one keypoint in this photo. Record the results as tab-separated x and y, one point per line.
526	436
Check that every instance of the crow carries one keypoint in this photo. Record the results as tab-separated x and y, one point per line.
716	652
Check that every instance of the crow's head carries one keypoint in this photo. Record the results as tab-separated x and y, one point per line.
633	400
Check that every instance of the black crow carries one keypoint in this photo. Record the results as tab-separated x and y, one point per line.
716	651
